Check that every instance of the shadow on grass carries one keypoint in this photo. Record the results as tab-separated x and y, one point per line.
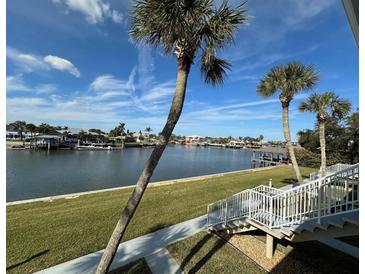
28	260
199	245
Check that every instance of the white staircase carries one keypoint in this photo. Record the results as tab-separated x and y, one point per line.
317	209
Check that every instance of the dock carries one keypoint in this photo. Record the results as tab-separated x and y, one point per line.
269	156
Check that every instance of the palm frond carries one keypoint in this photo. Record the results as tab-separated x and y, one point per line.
271	82
157	22
289	79
326	105
214	69
188	27
222	25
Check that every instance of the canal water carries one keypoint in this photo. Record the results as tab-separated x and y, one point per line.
34	174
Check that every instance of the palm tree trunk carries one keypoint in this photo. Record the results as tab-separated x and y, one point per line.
322	142
135	198
289	145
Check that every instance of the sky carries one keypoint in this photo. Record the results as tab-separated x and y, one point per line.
72	63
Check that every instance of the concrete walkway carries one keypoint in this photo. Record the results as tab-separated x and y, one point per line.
161	262
133	249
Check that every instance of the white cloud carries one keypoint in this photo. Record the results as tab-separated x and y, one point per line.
30	62
26	62
145	67
26	102
61	64
159	92
113	86
95	11
16	83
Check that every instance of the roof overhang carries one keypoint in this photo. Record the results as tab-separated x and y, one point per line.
352	11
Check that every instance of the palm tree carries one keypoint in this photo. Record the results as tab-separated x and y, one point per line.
183	28
81	135
261	137
289	79
326	106
120	128
148	130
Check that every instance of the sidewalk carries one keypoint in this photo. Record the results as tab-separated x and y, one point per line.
133	249
161	262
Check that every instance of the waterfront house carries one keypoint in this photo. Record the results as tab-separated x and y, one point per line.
14	135
193	139
236	144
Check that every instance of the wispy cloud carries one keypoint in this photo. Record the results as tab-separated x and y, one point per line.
16	83
265	60
27	62
94	11
234	112
61	64
271	24
109	84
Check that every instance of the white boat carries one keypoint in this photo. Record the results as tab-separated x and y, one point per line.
93	147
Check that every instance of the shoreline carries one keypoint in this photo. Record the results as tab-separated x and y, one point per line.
152	184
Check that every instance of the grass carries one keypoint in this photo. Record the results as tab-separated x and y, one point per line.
206	253
138	267
43	234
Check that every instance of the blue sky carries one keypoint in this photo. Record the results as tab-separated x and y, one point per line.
72	63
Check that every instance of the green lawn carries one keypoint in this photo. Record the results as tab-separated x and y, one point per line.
206	253
44	234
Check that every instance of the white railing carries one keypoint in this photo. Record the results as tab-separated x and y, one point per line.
329	170
329	195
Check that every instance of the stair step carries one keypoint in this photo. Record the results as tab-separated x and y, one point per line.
286	231
352	217
309	226
336	221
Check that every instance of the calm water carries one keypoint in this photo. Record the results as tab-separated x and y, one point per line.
33	174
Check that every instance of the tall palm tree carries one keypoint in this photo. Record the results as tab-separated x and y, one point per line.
326	106
184	28
289	80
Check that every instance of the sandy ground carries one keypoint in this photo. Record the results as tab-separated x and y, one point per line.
254	247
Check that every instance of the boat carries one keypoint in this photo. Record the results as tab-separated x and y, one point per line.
93	147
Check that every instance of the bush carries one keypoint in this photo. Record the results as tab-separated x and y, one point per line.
306	158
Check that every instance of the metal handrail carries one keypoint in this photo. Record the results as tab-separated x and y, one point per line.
329	170
333	194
